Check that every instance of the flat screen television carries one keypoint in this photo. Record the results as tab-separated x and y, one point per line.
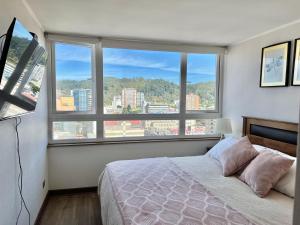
22	67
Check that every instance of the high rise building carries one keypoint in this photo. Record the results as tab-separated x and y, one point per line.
82	99
140	99
129	97
192	102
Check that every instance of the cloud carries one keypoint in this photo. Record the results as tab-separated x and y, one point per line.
130	61
141	59
69	52
203	70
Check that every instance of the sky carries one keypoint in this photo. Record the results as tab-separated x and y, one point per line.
74	62
20	31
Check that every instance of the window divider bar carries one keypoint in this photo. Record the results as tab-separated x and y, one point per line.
183	71
53	79
220	82
141	116
49	87
116	117
82	117
99	89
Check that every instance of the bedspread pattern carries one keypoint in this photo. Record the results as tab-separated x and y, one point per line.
157	192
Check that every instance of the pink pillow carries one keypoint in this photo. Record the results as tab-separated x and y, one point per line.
237	156
265	171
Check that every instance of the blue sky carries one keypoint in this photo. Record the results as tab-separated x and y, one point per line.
20	31
74	62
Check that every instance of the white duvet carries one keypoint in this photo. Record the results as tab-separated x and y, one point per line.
275	209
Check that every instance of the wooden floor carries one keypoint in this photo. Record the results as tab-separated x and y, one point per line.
72	209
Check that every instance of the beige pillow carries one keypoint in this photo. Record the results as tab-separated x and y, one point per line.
264	172
237	156
286	184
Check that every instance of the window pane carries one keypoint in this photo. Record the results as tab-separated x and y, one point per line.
74	130
73	77
201	82
140	128
138	81
200	127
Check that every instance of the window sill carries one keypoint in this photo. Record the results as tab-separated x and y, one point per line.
109	142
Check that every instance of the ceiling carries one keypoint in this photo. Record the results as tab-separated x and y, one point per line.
215	22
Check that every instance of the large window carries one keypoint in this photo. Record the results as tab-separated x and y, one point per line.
116	93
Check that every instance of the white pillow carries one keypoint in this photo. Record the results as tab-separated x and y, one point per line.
286	184
216	151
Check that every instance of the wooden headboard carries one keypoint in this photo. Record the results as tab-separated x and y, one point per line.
278	135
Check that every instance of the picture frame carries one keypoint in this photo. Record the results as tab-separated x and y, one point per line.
296	64
275	62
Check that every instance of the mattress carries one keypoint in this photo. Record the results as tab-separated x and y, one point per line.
275	209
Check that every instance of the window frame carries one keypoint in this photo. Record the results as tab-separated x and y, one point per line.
97	114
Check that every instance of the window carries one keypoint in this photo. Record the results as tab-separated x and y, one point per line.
201	89
142	82
140	128
200	126
73	69
102	91
74	130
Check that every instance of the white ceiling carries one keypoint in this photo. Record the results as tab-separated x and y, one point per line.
220	22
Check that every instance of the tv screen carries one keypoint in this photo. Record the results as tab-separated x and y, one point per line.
22	67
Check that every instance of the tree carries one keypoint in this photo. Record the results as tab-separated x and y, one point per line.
129	109
35	89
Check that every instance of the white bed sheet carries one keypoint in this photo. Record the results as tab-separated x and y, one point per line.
275	209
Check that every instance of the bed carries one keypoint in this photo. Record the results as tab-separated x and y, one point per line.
222	200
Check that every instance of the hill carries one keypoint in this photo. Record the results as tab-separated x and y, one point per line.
157	91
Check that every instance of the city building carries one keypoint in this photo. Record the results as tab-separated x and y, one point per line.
109	110
192	102
210	125
161	127
129	97
65	103
82	99
140	99
117	102
177	105
200	127
157	109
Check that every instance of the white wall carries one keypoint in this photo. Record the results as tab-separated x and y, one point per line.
80	166
242	95
33	140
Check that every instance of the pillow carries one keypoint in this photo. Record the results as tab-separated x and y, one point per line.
222	145
286	185
264	172
260	148
237	156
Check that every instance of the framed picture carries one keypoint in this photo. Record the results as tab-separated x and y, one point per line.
275	65
296	70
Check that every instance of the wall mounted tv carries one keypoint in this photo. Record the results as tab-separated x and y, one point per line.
22	67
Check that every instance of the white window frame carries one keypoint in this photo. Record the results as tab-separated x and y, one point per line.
97	113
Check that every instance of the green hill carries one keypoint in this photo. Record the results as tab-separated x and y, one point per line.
157	91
